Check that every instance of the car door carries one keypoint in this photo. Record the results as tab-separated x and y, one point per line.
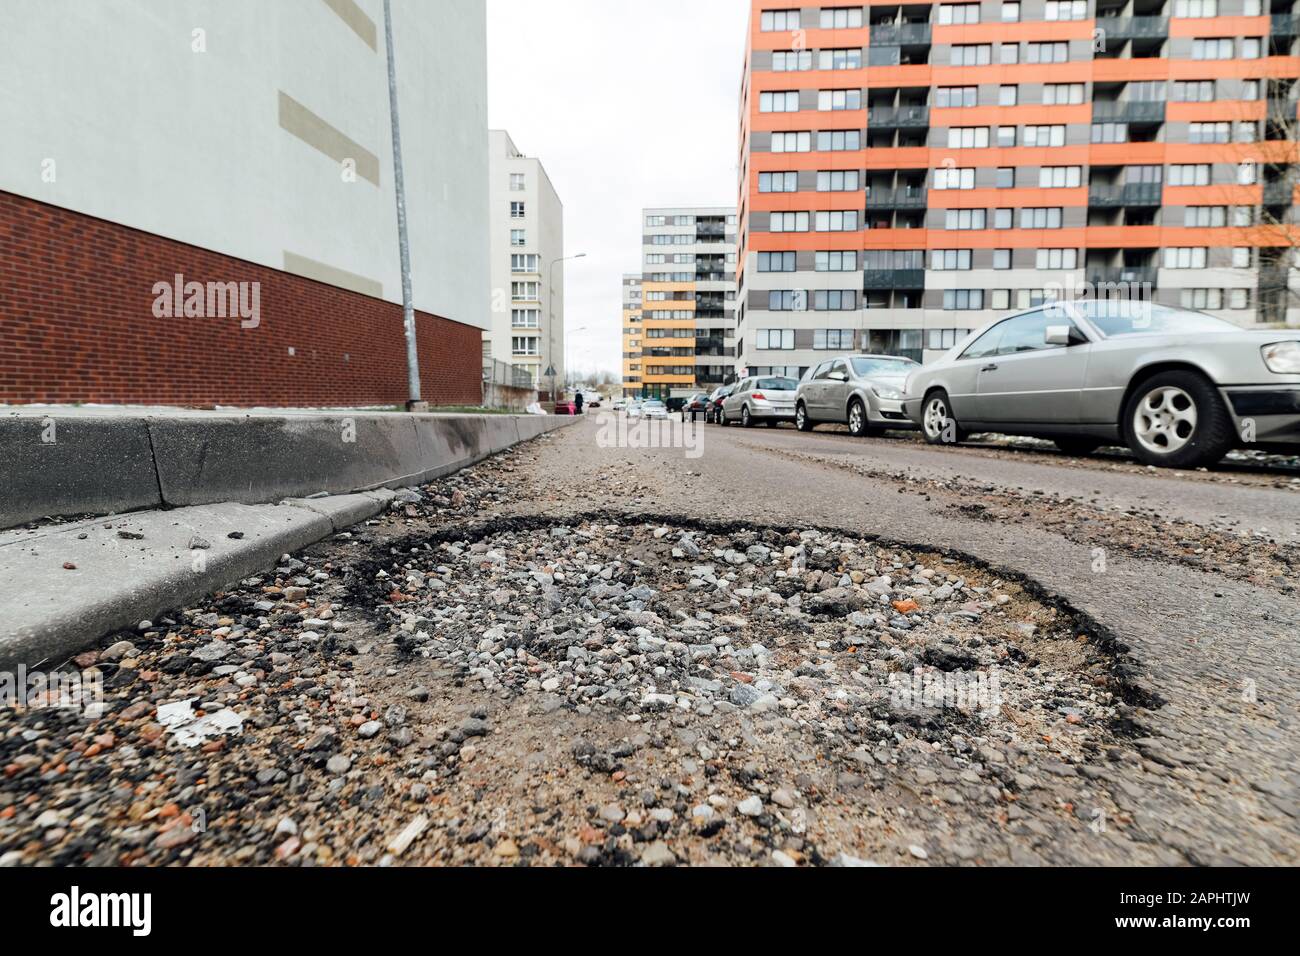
961	381
1029	380
736	400
811	389
835	397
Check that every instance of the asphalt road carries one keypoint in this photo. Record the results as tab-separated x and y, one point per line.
1219	769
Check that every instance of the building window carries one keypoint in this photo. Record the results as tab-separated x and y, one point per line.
1057	259
838	221
835	300
836	261
832	340
776	21
1205	217
1062	94
787	102
841	18
1111	132
968	137
963	300
962	219
836	100
778	182
1001	258
517	210
1196	8
949	97
1212	48
517	182
835	141
1002	218
1044	135
950	260
1040	218
971	54
841	59
1011	12
1066	10
524	345
787	300
837	181
1060	177
524	263
525	318
518	237
1006	177
769	340
791	142
788	222
949	178
525	291
776	262
1209	132
1193	91
1202	298
1008	95
944	339
1186	257
1056	52
791	61
958	14
1191	174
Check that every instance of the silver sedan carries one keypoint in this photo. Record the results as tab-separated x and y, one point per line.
864	392
1180	388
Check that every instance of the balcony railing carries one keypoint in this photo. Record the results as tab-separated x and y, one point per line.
1128	111
904	197
1132	28
900	34
893	279
1131	194
1280	193
1286	24
898	117
1122	275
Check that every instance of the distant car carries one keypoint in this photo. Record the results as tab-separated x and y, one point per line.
713	407
768	398
654	409
634	409
566	408
864	392
619	405
1180	388
694	407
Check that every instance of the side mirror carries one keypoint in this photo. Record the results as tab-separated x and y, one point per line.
1066	335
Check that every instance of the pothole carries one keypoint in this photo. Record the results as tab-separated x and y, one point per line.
840	643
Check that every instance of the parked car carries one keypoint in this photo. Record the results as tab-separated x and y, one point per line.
619	405
769	399
864	392
694	407
713	408
634	409
1180	388
566	408
654	408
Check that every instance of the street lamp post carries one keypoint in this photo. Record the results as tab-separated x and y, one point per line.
415	401
550	317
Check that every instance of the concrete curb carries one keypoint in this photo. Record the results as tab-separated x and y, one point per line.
69	462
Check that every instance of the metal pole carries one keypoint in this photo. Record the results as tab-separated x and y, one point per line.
415	402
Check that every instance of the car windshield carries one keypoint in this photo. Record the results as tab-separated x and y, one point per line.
881	366
777	384
654	404
1126	317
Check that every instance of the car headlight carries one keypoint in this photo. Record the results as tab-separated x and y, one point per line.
1283	358
887	392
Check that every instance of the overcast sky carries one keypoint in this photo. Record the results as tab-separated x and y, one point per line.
627	105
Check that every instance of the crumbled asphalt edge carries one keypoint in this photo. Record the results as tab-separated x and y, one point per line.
367	593
1286	555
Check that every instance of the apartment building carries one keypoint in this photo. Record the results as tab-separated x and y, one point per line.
688	341
632	332
912	171
527	243
239	146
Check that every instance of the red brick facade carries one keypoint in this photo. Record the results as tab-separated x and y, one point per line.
77	325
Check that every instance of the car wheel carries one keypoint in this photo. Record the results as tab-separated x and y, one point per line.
1082	447
937	421
746	420
1176	420
722	417
801	419
858	419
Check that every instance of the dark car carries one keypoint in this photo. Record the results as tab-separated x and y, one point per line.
713	406
694	407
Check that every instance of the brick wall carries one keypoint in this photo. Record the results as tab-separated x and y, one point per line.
77	324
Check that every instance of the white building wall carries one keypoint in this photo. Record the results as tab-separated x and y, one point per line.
143	129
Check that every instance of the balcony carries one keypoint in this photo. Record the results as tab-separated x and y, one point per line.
893	279
1123	275
905	197
900	34
1132	28
1286	25
898	117
1279	193
1128	111
1133	194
